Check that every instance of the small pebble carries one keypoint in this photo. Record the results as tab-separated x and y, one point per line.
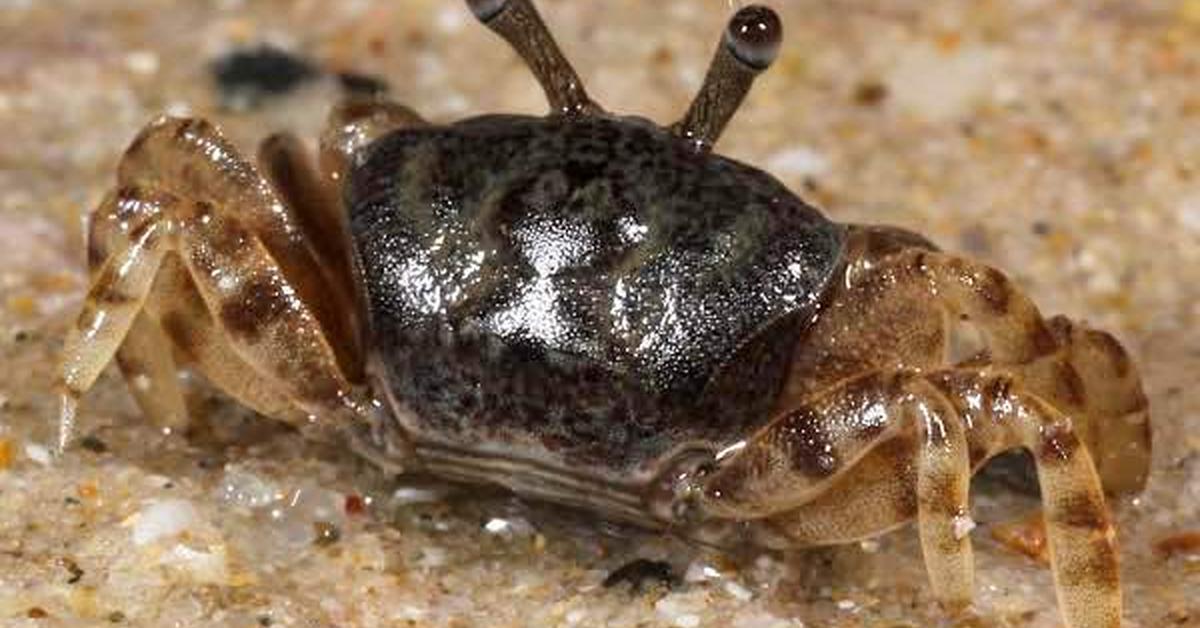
161	519
38	454
406	495
738	591
698	571
6	453
93	444
355	505
243	487
75	574
963	526
325	534
508	527
870	93
432	557
142	62
209	567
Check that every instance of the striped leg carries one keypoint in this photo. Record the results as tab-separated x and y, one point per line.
839	464
884	488
145	357
1082	540
804	455
1091	376
199	342
943	486
318	211
245	293
191	160
114	300
174	325
915	309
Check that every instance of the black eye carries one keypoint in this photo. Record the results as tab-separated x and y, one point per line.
754	35
485	10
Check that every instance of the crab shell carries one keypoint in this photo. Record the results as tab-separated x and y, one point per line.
592	295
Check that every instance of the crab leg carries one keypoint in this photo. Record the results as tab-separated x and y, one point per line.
798	456
798	453
199	342
247	292
1091	376
1082	540
239	296
354	124
904	309
114	300
901	309
190	159
150	370
951	412
287	165
943	485
145	357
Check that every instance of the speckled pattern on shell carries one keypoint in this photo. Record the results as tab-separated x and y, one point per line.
589	287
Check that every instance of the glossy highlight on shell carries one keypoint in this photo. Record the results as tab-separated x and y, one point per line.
596	285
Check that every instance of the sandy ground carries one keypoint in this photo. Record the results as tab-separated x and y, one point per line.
1055	139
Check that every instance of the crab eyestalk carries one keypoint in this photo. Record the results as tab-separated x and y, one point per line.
749	46
518	22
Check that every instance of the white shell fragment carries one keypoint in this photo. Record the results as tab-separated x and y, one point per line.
37	453
963	524
162	519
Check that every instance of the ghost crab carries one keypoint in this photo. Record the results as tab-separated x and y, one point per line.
598	311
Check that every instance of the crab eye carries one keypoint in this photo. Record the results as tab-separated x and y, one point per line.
485	10
749	45
753	36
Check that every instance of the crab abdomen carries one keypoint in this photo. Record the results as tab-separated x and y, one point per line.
590	290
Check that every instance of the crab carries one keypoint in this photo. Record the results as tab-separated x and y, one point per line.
597	311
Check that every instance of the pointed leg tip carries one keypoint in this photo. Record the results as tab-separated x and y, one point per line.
68	409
